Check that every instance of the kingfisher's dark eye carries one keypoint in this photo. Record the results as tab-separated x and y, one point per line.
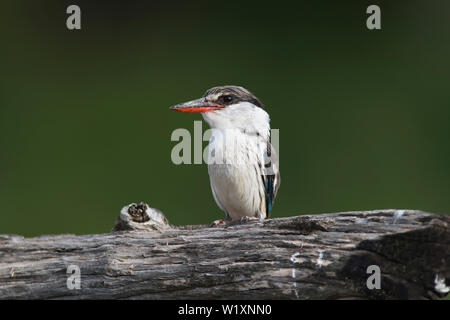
227	98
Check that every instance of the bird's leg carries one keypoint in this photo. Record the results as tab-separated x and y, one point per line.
246	219
228	221
220	222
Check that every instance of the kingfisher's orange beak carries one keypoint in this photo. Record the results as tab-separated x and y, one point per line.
199	105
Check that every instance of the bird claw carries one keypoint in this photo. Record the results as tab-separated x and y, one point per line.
229	222
220	222
246	219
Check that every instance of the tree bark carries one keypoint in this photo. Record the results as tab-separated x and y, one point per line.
324	256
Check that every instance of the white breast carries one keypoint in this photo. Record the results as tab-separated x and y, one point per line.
234	167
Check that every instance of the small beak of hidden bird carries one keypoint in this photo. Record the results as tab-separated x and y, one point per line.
244	179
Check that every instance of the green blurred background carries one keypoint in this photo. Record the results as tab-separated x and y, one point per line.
85	126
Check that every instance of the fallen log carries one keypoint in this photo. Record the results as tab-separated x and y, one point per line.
381	254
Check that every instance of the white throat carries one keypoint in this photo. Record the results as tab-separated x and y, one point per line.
243	116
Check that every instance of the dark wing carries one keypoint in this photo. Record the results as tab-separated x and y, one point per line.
271	177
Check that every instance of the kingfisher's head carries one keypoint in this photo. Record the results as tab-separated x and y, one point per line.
229	107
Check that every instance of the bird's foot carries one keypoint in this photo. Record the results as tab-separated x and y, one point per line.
220	222
244	220
247	219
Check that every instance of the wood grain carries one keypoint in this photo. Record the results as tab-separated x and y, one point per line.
305	257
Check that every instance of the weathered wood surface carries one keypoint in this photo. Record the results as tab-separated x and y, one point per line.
307	257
